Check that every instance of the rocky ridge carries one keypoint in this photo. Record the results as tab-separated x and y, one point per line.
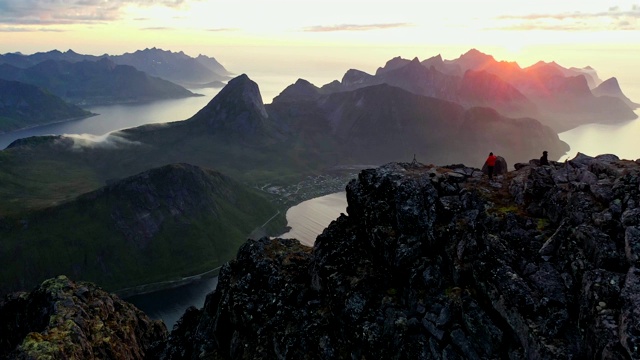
439	263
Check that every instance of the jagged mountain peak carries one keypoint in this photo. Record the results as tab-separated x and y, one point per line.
300	90
237	108
395	63
355	77
475	53
611	87
611	83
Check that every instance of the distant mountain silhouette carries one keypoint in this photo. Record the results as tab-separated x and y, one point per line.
558	97
94	82
26	61
23	105
610	87
173	66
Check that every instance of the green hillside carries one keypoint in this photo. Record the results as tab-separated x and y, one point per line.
165	223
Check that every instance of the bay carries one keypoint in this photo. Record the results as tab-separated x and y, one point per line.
119	116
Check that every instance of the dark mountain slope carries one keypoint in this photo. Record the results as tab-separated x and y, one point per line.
23	105
380	123
165	223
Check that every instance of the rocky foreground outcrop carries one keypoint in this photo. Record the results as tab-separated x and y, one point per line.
440	263
62	319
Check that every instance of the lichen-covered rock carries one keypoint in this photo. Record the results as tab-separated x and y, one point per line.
62	319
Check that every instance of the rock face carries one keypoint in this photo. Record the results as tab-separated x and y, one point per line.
438	263
62	319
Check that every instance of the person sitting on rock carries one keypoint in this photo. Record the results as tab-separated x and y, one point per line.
543	159
491	163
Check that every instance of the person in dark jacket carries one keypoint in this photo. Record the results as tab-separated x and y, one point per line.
491	163
543	159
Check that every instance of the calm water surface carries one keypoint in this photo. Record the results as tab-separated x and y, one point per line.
117	117
309	218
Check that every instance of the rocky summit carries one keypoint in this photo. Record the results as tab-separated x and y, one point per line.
441	263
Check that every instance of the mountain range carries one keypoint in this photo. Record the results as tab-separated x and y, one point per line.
556	96
172	66
86	80
23	105
238	135
94	82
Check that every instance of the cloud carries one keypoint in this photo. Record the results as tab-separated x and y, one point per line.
355	27
222	30
613	19
47	12
27	29
158	28
107	141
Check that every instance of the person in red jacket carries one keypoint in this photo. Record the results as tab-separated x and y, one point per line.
491	162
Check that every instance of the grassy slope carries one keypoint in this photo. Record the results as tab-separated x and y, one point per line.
82	239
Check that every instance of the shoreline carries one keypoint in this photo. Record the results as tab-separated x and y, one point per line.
90	115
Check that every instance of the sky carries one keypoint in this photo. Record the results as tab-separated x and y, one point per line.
322	39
